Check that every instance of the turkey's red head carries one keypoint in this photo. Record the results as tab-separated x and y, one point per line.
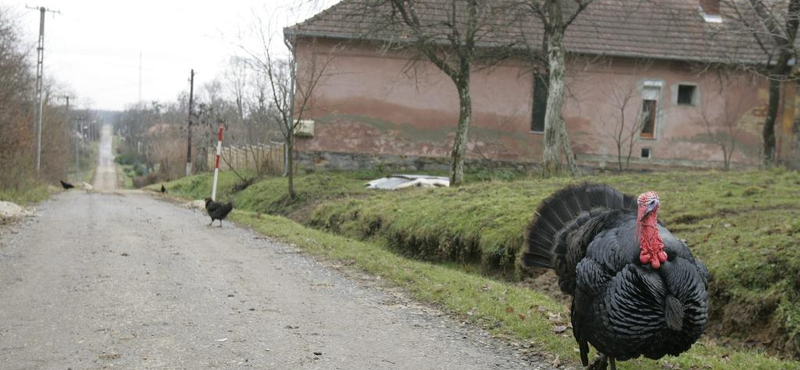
652	247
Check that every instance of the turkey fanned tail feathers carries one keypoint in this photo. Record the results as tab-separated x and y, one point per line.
623	308
562	213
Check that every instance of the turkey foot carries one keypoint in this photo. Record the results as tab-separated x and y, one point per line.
600	363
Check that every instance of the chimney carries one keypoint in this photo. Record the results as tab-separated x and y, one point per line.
710	7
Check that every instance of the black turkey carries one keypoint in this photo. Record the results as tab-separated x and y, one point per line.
637	290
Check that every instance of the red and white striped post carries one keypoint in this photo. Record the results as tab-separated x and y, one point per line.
216	165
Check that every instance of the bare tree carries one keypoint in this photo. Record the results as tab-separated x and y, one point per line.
624	124
556	18
251	126
16	131
461	39
15	97
448	34
236	80
724	126
290	92
773	25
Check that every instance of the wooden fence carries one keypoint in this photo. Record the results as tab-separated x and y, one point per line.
263	158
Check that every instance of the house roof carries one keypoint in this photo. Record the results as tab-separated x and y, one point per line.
662	29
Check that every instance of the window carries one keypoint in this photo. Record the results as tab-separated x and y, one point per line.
649	118
539	105
686	94
651	93
645	153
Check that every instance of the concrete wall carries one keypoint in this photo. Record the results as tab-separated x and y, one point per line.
376	103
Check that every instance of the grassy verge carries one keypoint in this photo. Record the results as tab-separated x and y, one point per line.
743	225
27	196
505	309
127	174
91	163
116	141
270	194
87	164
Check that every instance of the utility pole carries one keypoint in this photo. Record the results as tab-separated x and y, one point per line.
37	113
77	142
189	147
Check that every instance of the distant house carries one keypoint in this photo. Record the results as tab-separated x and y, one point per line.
664	69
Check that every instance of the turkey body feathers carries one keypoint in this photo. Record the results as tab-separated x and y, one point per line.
625	309
217	210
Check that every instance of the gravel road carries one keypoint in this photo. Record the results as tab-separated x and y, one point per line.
123	280
105	177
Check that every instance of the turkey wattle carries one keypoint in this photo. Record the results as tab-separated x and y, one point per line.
637	289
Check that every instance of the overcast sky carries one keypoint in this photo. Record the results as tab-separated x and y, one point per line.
93	46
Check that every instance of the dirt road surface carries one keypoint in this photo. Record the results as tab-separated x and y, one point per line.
125	281
105	178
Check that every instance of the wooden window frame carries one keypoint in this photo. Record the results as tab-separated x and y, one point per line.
653	119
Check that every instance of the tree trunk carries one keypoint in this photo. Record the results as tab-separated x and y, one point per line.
794	162
554	127
460	142
290	163
768	132
573	167
551	163
726	157
785	48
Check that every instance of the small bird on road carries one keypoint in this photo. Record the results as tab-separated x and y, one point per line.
88	187
66	185
163	189
217	210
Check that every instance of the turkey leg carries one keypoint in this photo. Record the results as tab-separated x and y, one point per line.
600	363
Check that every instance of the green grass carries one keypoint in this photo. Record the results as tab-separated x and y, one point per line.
87	164
116	141
743	225
27	196
505	309
199	186
270	195
126	171
90	163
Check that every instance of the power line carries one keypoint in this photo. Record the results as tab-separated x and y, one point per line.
77	142
37	113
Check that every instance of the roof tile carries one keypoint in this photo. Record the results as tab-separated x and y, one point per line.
662	29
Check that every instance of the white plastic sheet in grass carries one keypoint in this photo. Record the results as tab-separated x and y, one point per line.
395	182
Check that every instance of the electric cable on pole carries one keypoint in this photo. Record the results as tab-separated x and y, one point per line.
37	112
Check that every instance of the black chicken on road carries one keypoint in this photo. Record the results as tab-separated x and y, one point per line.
66	185
637	289
217	210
